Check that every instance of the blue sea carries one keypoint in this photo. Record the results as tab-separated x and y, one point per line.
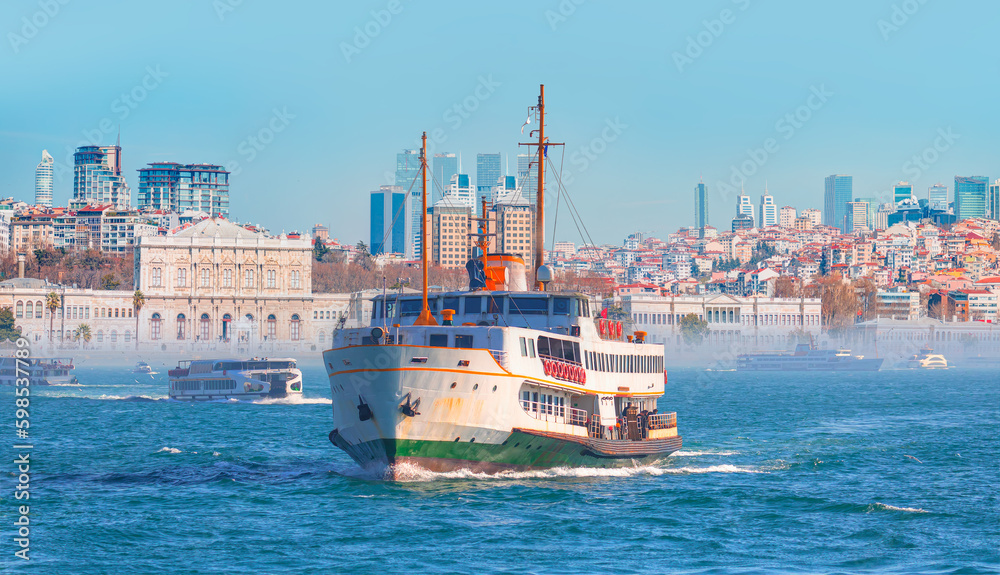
889	472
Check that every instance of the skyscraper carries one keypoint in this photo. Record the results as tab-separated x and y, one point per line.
970	197
838	191
527	178
174	187
407	178
902	191
444	167
993	201
768	210
744	207
488	172
389	221
701	208
857	215
937	197
97	177
43	180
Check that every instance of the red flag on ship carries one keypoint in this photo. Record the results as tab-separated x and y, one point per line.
604	313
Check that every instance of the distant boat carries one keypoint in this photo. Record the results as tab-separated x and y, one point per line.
38	370
806	358
256	378
142	367
927	359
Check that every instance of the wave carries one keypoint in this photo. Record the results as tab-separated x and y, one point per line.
137	398
883	507
170	450
412	473
294	400
683	453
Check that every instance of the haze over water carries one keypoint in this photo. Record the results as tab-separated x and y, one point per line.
891	472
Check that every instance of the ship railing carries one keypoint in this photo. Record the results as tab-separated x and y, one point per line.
555	413
560	360
662	421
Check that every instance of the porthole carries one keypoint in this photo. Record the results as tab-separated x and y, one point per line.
453	384
494	388
518	444
457	438
475	386
504	443
473	440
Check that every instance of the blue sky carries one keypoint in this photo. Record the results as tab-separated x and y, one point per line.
648	97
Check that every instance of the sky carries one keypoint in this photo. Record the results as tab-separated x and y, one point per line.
308	102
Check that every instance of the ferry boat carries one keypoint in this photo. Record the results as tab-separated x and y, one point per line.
927	359
806	358
497	377
142	367
38	370
250	379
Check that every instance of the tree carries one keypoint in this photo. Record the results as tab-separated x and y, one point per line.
824	265
693	329
839	302
363	258
138	300
82	332
109	282
784	286
319	250
52	303
7	328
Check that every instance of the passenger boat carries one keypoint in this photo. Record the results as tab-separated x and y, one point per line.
142	367
256	378
927	359
497	377
806	358
38	370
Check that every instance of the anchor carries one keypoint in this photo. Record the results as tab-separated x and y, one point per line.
364	410
409	409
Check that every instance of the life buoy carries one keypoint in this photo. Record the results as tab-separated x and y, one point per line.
579	375
602	326
664	377
561	371
583	376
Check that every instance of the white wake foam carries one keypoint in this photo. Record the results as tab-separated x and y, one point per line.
413	473
170	450
683	453
883	507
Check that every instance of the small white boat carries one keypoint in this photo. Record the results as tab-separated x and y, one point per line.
250	379
142	367
927	359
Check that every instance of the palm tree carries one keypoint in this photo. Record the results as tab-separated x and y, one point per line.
52	303
138	300
82	332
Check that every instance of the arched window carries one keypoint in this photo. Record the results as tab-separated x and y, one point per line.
272	326
38	309
226	321
206	327
128	336
116	315
295	327
100	336
249	317
321	337
19	309
114	336
154	324
182	277
29	309
180	326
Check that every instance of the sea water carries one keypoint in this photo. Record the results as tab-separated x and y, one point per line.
888	472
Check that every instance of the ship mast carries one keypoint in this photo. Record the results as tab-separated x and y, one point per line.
425	317
540	194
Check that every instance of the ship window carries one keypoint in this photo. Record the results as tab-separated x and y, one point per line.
409	307
450	303
543	346
531	347
495	305
438	340
560	306
529	305
463	341
524	347
473	305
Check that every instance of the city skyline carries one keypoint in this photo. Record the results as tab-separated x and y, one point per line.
624	137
